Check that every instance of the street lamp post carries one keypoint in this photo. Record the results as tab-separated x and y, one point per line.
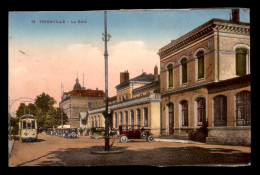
106	38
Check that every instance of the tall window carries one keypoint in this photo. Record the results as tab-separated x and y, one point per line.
170	76
95	119
132	117
243	108
115	120
92	119
184	70
99	123
138	117
200	57
126	117
184	113
220	110
145	117
121	118
201	111
241	54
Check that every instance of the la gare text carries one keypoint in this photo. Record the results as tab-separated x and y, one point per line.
60	21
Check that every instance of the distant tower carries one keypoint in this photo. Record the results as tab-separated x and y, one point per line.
77	86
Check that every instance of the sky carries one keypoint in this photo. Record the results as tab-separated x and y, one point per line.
42	56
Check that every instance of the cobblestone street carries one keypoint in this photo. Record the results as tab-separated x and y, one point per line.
56	151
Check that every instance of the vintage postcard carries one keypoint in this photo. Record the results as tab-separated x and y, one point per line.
158	87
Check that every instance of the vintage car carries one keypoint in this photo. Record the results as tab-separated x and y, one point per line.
128	132
71	133
99	132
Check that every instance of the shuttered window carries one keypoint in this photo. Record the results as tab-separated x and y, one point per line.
184	70
241	54
170	76
200	57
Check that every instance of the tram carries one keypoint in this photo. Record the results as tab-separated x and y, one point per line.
28	128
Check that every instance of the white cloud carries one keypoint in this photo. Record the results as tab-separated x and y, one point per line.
45	69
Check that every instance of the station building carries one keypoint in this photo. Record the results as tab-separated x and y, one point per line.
137	103
205	79
75	103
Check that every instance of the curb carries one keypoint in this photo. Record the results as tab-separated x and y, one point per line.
177	141
106	152
10	148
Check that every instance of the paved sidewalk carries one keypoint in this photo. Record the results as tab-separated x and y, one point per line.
176	141
10	147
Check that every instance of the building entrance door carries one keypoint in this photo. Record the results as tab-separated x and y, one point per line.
171	118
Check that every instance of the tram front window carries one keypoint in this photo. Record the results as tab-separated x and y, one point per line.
24	125
33	124
29	126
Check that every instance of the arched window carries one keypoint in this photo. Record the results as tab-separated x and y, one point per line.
92	120
241	61
184	113
243	109
200	57
184	70
121	118
170	75
132	117
138	114
201	111
115	120
145	117
220	110
126	117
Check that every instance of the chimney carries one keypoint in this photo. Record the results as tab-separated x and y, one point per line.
124	76
156	73
235	15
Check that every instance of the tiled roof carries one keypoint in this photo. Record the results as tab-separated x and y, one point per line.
143	77
87	93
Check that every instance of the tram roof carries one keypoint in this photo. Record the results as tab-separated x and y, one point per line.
28	116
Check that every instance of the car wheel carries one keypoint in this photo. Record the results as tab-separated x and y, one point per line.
143	135
150	139
123	139
73	134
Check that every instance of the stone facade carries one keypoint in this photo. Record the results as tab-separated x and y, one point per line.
137	103
80	100
183	103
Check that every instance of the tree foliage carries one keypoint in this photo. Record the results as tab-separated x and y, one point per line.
44	102
48	115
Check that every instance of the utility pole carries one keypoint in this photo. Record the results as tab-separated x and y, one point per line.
61	108
105	39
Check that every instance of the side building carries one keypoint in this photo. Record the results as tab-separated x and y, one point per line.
76	102
205	80
137	103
